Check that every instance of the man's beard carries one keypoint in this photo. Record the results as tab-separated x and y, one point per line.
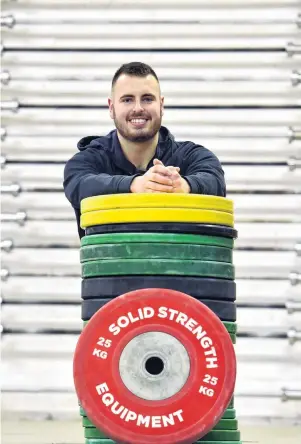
140	135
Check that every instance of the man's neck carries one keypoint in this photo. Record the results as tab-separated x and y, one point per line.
139	153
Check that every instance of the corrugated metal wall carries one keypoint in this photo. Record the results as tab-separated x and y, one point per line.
230	72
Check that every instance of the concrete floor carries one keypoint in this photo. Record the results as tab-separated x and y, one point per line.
64	432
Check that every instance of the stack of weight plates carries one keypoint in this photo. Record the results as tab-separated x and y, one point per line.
173	241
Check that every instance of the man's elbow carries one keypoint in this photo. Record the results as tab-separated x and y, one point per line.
71	192
221	189
215	186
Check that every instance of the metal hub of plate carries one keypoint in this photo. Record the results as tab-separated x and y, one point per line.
154	365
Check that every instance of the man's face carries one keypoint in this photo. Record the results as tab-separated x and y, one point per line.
136	107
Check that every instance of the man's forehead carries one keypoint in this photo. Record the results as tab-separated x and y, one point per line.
133	85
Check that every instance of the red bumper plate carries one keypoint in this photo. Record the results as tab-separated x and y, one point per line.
154	365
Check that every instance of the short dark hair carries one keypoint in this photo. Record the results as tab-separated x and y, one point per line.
135	69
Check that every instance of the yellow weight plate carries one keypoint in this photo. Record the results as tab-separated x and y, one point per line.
157	200
156	215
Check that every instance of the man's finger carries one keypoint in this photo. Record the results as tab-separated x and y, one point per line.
160	178
154	186
159	162
172	168
161	169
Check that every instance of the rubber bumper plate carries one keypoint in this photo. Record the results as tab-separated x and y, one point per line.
156	215
155	364
214	435
206	288
151	200
188	228
115	267
229	414
231	328
157	238
156	251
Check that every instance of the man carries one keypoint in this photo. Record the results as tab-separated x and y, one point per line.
140	155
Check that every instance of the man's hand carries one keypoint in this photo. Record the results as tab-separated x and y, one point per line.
179	184
156	180
160	179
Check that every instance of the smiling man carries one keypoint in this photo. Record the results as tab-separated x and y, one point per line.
140	155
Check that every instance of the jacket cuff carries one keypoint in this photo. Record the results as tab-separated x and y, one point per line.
194	185
125	183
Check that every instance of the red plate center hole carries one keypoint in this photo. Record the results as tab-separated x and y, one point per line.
154	365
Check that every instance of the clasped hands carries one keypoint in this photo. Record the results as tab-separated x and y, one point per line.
160	179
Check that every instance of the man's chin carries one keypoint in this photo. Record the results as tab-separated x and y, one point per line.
139	135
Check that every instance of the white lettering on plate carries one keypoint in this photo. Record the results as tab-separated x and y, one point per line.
127	415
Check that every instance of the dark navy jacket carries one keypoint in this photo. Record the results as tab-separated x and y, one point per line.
100	167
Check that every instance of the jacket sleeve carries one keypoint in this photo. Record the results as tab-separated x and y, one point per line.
204	173
85	176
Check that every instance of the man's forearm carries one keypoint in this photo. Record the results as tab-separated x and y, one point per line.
78	188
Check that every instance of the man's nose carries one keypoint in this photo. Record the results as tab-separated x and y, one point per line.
138	106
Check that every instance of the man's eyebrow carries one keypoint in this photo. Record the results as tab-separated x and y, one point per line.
131	95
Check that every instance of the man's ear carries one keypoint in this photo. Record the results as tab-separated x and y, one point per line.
111	108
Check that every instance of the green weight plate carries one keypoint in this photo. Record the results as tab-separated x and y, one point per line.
229	414
156	251
231	404
86	422
222	435
115	267
92	432
170	238
82	412
226	424
101	441
214	435
218	442
233	338
231	327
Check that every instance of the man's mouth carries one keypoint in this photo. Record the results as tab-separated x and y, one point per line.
138	122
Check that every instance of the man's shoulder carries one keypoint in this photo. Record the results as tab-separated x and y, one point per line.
93	147
187	147
102	143
167	137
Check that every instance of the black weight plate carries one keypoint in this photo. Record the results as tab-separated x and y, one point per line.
164	227
206	288
225	310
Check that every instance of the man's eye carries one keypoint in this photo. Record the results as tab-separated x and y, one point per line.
127	100
148	99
